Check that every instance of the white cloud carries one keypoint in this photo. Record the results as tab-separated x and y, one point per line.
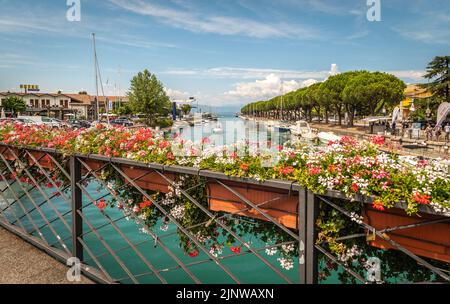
267	88
202	23
414	75
247	73
177	95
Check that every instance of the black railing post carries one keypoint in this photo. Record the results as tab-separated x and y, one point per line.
312	261
302	199
77	205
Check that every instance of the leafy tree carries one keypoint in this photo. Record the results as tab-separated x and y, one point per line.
147	96
125	109
186	109
368	93
438	71
14	105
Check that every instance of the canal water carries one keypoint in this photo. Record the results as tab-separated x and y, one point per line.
234	130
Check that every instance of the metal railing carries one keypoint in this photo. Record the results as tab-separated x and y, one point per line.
68	223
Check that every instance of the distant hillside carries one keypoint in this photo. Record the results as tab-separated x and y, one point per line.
230	109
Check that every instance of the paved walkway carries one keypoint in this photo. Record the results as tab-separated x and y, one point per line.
21	263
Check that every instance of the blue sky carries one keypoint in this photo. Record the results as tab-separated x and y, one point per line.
220	51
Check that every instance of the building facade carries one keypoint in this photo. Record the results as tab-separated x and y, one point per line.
64	106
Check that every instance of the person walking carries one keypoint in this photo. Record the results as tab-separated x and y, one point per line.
447	132
438	132
429	132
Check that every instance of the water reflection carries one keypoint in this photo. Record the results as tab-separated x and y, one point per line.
234	130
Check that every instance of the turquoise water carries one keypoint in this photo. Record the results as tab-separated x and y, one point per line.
248	268
234	130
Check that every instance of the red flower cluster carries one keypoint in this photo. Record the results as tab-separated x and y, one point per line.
315	170
421	198
379	205
193	253
285	170
244	167
145	204
101	205
378	140
236	249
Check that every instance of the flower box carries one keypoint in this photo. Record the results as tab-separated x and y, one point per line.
431	241
44	160
7	154
92	164
151	181
281	206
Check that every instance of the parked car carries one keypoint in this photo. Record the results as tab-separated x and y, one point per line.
43	120
18	120
122	122
76	123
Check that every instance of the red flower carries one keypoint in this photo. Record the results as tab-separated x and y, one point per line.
193	253
280	148
145	204
101	205
378	205
421	198
355	187
236	249
287	170
378	140
244	167
315	170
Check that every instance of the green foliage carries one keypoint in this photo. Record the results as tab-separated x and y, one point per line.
147	96
125	109
186	109
14	104
438	71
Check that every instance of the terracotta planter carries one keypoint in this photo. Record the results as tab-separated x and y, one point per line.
93	165
281	207
152	181
432	241
7	153
43	159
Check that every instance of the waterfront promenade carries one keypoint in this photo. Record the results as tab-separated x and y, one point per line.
21	263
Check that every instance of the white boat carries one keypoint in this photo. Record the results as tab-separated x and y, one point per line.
281	127
326	137
303	130
218	129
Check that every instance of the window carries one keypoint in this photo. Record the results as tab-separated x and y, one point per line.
66	103
61	103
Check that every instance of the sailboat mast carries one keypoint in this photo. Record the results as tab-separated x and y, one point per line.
96	78
281	107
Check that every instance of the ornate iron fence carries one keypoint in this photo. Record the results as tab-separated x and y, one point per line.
53	202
